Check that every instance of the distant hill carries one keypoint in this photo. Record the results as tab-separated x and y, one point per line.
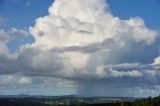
68	97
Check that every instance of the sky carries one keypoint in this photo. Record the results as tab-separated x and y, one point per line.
80	47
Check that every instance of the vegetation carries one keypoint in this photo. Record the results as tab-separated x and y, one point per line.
148	102
31	101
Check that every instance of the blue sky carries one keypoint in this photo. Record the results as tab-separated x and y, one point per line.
22	13
17	16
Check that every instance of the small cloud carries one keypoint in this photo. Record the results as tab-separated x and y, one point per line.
25	81
157	61
18	32
7	80
108	72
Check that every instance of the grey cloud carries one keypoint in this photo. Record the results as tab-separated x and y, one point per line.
38	63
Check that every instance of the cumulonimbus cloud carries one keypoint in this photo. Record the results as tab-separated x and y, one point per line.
80	24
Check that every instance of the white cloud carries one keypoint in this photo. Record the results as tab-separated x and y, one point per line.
4	39
157	61
79	23
8	80
58	82
25	81
71	29
78	60
108	72
18	32
85	23
7	36
88	38
85	11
